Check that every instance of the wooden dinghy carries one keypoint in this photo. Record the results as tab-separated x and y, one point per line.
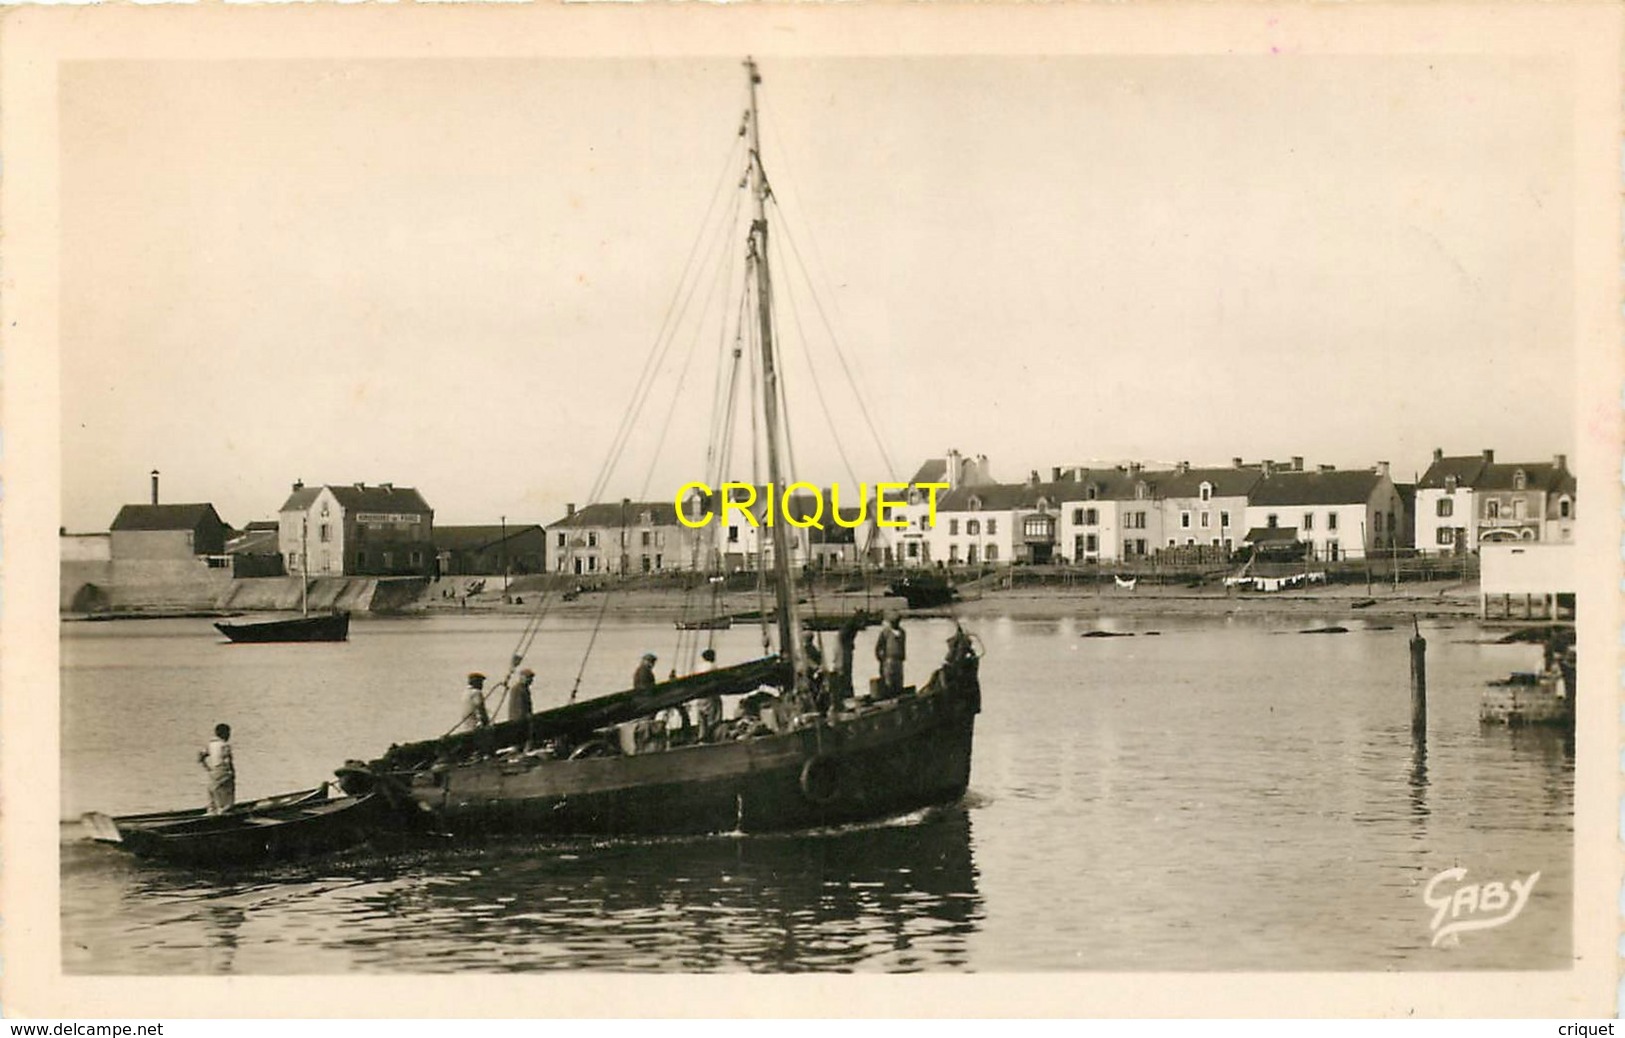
110	829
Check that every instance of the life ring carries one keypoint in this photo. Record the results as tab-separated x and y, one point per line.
820	780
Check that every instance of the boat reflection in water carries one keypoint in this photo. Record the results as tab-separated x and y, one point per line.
894	896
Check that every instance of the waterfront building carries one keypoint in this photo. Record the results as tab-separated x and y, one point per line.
913	545
514	548
1463	502
1337	513
618	538
356	529
1204	510
1107	515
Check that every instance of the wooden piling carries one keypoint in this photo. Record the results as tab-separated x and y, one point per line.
1419	682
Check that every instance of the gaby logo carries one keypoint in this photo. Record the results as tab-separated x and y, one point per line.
1473	906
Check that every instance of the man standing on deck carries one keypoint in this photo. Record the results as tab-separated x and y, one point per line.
839	678
216	760
643	679
519	707
474	715
890	649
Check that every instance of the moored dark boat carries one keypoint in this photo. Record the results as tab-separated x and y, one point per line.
330	627
924	592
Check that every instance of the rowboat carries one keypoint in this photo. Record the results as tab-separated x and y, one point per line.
105	829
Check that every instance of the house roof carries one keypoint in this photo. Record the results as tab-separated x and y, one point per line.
148	518
1339	487
473	538
998	497
609	513
934	470
261	524
361	497
1226	482
254	542
1539	475
1466	469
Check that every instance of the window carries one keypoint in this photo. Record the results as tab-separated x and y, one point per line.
1331	521
416	558
1520	481
1518	508
1128	548
1089	494
1492	509
561	540
293	560
1563	508
1077	516
1224	519
1272	520
1139	546
660	561
913	549
973	528
648	564
1184	520
1091	543
992	527
1308	521
1445	508
1445	535
1207	520
648	538
953	554
592	539
592	564
1207	491
733	535
953	527
327	533
993	553
1090	517
970	555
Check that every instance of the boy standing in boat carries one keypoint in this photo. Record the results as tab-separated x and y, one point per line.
215	759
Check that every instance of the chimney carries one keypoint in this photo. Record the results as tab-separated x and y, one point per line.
569	510
1489	457
1184	466
1297	463
361	486
1134	468
299	484
1235	463
954	466
1326	468
1560	461
1382	468
1268	467
155	486
1032	478
387	488
1438	455
1055	474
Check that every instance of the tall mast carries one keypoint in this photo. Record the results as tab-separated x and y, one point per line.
304	565
784	589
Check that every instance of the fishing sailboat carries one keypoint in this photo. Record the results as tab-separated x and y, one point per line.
323	627
804	750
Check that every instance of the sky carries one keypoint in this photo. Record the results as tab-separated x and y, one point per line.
447	273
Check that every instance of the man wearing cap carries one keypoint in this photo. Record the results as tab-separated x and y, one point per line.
474	715
643	679
890	650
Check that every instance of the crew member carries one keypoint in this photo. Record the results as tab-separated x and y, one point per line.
643	679
215	759
519	706
474	715
890	649
708	711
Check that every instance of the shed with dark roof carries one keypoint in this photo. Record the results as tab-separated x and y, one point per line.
167	532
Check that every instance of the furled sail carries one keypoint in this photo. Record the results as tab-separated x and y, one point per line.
577	719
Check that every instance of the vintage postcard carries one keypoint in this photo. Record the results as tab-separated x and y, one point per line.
770	499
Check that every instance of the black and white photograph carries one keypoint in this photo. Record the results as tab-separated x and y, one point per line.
645	493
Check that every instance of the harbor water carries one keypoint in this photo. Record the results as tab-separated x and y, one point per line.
1222	794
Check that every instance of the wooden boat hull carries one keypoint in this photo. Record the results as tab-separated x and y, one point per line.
257	838
924	594
891	758
332	627
105	829
1529	699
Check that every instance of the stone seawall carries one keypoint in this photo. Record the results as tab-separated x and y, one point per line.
216	590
